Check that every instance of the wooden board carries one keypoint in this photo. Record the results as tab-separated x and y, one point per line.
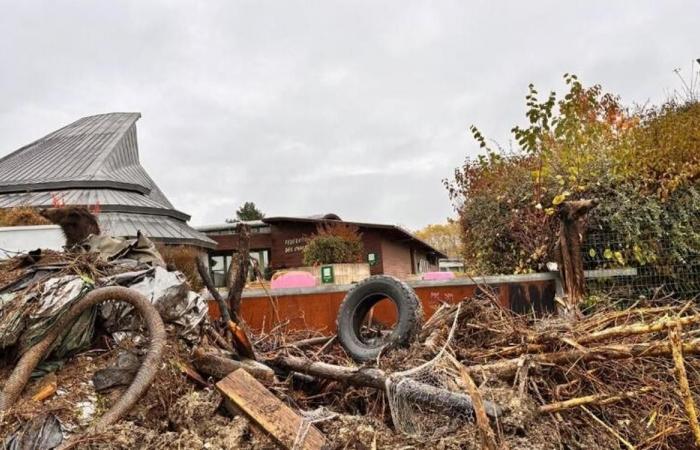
266	410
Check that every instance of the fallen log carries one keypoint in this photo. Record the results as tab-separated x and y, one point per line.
377	379
218	367
508	367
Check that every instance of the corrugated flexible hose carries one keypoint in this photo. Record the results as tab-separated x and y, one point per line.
145	375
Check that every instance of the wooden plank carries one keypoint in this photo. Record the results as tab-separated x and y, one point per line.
266	410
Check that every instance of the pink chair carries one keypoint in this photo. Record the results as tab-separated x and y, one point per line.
292	279
438	276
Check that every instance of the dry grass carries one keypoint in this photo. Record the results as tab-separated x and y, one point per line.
21	216
183	258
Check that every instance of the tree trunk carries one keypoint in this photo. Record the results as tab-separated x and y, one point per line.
571	230
218	366
238	272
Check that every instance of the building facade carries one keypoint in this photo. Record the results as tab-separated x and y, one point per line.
277	243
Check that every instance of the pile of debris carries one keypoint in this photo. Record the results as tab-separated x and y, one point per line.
474	376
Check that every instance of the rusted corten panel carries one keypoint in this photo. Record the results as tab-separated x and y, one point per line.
318	311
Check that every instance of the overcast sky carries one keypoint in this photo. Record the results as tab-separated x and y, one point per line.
358	108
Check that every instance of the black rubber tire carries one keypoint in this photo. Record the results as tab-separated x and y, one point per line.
357	304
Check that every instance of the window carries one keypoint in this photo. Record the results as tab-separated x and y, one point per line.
219	265
261	258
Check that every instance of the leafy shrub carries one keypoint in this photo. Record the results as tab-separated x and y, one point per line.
643	164
334	243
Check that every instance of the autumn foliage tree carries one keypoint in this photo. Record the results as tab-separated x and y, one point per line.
643	164
445	237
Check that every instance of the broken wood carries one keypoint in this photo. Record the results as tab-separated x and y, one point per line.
488	439
612	431
377	379
310	341
218	339
218	367
48	387
674	336
190	372
240	340
597	399
270	413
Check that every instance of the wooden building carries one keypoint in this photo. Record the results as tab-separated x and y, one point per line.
278	243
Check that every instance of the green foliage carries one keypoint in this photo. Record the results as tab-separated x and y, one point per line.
248	211
334	243
644	166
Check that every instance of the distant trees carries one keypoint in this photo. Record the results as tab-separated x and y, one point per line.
247	211
445	237
643	164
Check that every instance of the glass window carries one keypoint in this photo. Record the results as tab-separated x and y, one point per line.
261	258
218	267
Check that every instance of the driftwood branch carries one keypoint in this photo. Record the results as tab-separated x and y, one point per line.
206	279
597	399
612	431
508	367
488	439
218	367
677	347
310	342
639	328
539	343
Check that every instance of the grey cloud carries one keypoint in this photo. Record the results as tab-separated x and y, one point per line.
357	107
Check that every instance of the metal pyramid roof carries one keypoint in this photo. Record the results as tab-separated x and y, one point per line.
94	160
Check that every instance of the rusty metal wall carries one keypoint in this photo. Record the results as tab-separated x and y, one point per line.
318	310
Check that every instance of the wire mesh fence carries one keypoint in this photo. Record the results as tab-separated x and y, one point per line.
663	267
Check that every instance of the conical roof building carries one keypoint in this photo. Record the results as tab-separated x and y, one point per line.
95	161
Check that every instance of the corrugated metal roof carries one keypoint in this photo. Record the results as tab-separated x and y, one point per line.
161	228
103	197
94	160
74	152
